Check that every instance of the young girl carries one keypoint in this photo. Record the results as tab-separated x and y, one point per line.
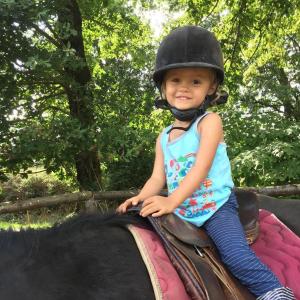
191	157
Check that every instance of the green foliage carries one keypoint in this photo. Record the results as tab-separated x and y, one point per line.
50	116
18	189
39	122
130	155
263	148
260	41
12	189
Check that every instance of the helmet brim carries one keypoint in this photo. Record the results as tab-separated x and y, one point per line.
158	75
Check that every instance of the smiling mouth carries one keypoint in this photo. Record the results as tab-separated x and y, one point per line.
183	98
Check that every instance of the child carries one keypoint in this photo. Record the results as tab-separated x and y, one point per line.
191	157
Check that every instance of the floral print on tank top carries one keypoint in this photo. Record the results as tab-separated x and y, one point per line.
201	201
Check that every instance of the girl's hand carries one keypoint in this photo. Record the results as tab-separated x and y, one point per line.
133	201
157	206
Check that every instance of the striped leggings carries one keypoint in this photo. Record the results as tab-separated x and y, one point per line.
226	231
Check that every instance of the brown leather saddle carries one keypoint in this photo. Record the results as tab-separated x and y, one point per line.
195	257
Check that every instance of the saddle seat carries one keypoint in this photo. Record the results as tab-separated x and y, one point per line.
189	233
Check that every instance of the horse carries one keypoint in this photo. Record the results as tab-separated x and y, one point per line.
91	256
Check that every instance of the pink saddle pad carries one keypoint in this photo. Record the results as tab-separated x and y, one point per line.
279	248
165	281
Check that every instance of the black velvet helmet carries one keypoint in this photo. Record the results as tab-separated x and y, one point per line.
188	46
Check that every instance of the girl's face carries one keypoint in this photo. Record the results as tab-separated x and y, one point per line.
187	88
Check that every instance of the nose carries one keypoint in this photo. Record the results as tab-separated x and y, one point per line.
183	86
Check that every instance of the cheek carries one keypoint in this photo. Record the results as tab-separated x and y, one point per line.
168	90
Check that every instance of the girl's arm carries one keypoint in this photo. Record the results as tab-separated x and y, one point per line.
153	185
211	132
157	181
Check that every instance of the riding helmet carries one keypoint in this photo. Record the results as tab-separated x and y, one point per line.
188	46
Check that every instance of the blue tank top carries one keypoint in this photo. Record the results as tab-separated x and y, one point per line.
213	192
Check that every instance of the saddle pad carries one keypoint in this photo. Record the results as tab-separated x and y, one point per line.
279	248
166	283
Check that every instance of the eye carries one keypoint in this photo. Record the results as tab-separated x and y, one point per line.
174	79
196	81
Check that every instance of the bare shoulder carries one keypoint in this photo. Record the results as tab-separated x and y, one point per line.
212	120
158	142
212	117
211	126
158	139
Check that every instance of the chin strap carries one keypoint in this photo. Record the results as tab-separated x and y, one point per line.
189	114
184	128
182	114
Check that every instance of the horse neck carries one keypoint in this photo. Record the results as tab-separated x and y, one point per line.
20	243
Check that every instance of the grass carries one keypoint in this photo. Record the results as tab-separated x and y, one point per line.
17	188
41	218
18	226
47	217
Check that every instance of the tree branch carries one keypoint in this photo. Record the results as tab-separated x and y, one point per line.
256	48
238	32
49	96
276	108
34	203
295	42
56	36
210	13
34	81
46	35
56	108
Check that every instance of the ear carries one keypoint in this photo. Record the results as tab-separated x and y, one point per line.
213	87
163	90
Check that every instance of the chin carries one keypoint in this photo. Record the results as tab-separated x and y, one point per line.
183	106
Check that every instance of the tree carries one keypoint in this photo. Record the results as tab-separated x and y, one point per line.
55	57
75	87
260	41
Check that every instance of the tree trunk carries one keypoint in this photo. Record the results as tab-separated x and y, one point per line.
287	103
79	96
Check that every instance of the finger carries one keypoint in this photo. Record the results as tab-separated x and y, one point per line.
127	202
123	207
145	214
120	210
149	209
158	213
136	202
127	206
148	201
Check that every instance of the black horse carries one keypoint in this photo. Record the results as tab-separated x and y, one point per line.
89	257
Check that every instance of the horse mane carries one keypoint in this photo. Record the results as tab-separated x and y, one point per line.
27	238
107	219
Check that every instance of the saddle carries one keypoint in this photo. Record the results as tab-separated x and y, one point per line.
195	257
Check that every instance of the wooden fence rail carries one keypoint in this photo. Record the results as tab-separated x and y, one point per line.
34	203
